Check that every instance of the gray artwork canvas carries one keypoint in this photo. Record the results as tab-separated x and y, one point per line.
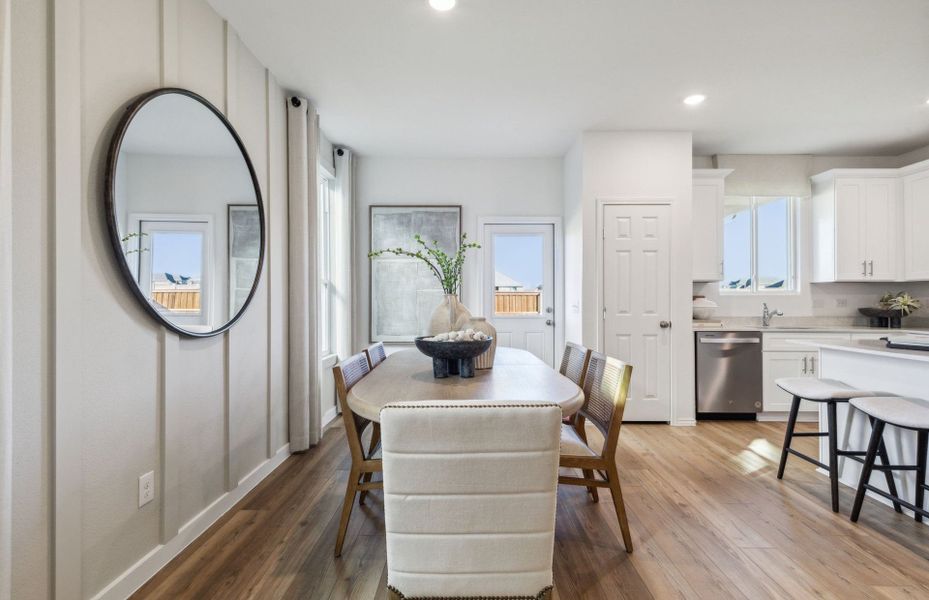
244	250
404	292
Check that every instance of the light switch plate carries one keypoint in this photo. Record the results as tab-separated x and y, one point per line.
146	488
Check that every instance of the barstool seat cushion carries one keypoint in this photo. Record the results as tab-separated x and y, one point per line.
904	412
811	388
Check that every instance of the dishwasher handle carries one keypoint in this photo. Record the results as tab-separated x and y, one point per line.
730	340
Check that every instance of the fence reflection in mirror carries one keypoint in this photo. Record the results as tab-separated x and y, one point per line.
184	211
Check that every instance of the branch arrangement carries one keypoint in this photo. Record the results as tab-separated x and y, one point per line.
447	269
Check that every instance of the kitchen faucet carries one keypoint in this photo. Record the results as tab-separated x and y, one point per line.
766	314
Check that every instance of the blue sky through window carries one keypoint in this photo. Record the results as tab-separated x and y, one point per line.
769	237
519	257
178	253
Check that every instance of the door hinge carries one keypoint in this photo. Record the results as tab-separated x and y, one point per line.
604	313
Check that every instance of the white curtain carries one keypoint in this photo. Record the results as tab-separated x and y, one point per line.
302	144
6	301
343	217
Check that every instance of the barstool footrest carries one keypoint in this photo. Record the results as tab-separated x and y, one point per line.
810	433
808	459
893	498
894	467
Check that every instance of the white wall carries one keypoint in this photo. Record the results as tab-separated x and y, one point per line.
208	416
573	241
483	187
641	166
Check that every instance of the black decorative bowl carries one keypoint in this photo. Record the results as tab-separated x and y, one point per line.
452	358
883	317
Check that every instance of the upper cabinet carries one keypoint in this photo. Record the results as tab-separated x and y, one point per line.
916	221
708	193
857	227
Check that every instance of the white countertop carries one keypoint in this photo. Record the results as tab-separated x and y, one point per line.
874	347
811	329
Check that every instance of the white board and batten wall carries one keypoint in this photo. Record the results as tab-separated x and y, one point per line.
208	416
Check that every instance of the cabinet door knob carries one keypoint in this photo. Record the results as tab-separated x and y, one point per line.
871	268
804	365
864	268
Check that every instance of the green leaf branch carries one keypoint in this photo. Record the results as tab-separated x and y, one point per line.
446	268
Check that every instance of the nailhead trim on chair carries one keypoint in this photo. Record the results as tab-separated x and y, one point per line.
536	405
545	594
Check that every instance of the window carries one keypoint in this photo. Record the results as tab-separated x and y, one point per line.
326	287
518	267
759	246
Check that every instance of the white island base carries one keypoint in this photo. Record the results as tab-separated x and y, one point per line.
870	365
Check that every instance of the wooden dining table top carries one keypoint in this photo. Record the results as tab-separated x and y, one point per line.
517	376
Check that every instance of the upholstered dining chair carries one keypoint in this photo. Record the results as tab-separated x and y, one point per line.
376	354
469	498
364	464
606	386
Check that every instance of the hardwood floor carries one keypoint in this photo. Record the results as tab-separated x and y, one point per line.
709	520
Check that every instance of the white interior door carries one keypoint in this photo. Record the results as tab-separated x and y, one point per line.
636	303
519	277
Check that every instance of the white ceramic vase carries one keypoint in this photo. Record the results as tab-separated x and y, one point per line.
451	315
485	360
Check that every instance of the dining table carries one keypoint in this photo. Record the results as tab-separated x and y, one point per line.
516	376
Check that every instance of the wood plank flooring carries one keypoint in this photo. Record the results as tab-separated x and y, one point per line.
709	520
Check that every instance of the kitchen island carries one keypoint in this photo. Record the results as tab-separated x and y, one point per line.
870	365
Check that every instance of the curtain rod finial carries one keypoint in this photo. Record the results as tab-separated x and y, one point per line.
295	101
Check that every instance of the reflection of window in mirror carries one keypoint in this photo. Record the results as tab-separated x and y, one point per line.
175	267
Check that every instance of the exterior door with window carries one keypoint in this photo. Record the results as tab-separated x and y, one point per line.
175	270
519	276
636	284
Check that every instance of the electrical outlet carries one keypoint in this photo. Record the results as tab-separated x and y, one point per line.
841	302
146	488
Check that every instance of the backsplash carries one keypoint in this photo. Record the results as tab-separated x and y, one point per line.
821	300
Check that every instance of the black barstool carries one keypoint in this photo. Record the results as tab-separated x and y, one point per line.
906	413
831	392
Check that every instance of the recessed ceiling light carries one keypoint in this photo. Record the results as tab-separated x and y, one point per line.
694	99
442	5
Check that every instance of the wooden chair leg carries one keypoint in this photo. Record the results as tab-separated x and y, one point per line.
922	445
877	432
833	455
350	488
592	490
620	506
788	435
375	440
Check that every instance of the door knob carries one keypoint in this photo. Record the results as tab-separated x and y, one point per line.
549	322
664	324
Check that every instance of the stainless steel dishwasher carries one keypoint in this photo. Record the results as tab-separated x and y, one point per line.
729	380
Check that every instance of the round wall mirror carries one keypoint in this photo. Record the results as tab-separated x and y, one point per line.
184	212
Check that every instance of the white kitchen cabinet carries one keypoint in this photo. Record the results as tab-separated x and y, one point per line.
785	364
916	222
707	219
857	227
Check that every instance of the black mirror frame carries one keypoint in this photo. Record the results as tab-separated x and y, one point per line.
109	196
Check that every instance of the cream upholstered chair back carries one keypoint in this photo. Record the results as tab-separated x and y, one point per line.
469	498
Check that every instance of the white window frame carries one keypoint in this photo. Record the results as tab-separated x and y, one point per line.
327	288
793	280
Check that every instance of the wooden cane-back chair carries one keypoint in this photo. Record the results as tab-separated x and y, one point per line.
574	363
376	354
606	387
364	464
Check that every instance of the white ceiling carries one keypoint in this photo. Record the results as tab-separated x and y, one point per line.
173	124
523	77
